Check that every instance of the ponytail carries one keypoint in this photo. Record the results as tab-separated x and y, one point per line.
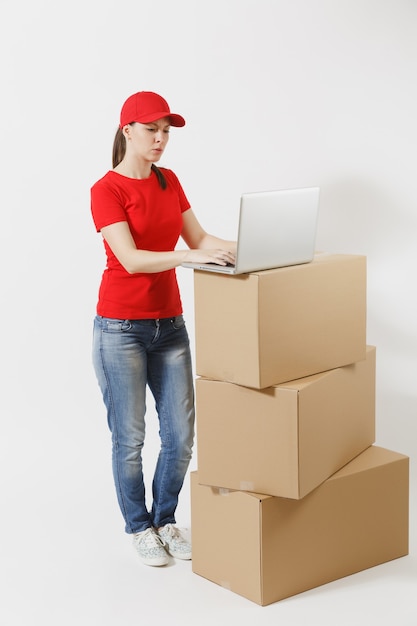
161	178
119	147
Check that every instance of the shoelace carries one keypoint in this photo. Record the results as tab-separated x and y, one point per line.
151	537
172	531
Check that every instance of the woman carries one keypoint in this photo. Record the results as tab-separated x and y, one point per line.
140	337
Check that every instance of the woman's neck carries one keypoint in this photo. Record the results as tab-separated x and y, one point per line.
134	169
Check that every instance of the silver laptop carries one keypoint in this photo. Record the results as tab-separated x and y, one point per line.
276	229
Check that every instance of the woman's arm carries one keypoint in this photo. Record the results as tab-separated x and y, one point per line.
207	249
197	238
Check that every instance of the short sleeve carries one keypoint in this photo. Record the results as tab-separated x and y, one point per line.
106	205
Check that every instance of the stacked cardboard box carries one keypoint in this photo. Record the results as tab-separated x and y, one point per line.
290	491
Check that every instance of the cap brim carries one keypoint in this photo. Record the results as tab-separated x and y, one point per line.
174	118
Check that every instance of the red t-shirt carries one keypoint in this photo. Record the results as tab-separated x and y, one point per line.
154	216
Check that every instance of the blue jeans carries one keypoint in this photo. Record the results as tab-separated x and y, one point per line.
128	355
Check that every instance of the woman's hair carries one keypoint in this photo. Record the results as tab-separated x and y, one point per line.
119	151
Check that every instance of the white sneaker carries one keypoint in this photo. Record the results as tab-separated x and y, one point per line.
176	544
150	547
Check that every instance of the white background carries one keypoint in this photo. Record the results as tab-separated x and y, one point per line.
276	94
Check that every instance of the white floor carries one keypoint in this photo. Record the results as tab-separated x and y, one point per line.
65	560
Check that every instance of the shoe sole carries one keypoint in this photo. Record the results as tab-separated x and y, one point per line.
184	556
155	562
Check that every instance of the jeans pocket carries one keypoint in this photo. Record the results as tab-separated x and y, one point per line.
116	326
178	322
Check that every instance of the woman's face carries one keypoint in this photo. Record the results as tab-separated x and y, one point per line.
147	142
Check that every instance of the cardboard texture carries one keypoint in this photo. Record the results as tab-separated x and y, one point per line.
266	548
285	440
270	327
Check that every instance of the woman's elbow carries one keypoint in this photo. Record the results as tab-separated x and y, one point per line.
129	266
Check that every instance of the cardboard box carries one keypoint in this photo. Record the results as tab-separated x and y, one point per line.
267	548
269	327
287	439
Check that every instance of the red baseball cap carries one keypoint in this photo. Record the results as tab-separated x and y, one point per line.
145	107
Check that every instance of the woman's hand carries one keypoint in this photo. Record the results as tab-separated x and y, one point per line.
218	256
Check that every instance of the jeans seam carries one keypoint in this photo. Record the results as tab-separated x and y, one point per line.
115	435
